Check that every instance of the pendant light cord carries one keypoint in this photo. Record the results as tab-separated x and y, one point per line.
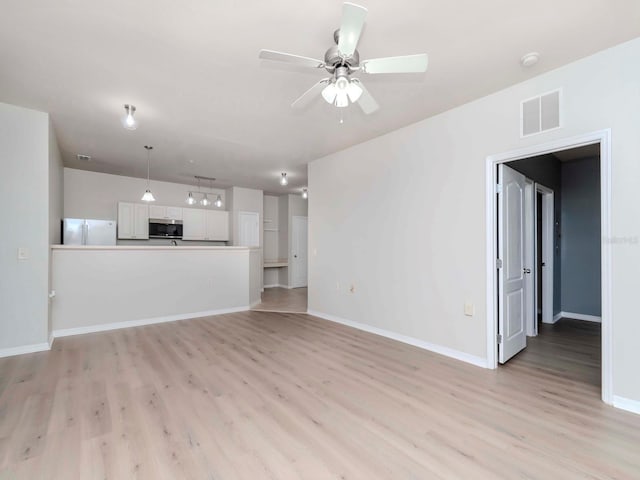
149	148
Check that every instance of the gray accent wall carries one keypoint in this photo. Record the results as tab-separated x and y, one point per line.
580	237
546	170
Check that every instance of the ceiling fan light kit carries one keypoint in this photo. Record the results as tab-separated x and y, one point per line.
128	121
343	60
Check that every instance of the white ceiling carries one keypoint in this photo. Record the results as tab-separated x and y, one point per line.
210	107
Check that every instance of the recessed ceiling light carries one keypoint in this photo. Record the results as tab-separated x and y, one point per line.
84	158
530	59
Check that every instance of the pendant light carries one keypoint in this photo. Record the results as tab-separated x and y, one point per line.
283	180
128	121
190	199
205	199
305	193
218	202
148	196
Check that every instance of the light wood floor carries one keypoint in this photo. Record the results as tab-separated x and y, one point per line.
286	300
284	396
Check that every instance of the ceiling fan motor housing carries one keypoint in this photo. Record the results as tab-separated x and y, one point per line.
333	58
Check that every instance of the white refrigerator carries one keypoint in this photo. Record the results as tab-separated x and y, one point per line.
81	231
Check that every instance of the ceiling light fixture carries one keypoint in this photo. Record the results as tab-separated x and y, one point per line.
190	199
283	180
305	193
218	202
530	59
342	90
148	196
205	201
128	121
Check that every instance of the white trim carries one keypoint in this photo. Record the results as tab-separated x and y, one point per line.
36	347
581	316
548	249
557	317
627	404
448	352
66	332
603	137
276	285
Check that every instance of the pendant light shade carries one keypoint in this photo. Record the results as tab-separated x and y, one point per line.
128	121
283	180
148	196
218	202
305	193
205	201
190	199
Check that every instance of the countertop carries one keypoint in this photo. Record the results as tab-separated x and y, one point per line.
140	247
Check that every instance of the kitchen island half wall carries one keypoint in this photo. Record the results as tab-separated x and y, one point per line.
105	288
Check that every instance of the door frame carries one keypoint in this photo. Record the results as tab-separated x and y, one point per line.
603	137
548	214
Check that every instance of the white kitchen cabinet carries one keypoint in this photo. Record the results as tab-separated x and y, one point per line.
133	221
208	225
194	225
165	213
217	225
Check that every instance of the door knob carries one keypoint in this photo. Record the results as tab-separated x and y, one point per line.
526	270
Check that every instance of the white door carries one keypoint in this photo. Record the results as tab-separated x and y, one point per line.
511	282
299	252
248	229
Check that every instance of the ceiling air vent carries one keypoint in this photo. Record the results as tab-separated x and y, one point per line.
83	158
540	114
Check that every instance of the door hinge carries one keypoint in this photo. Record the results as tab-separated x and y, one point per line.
498	263
498	188
499	338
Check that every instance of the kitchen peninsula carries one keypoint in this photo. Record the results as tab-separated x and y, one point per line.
107	287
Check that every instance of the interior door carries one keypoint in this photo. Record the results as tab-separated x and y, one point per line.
511	281
299	235
248	229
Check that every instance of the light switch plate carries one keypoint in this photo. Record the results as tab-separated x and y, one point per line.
23	253
469	309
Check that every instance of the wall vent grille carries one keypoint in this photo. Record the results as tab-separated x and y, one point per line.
541	114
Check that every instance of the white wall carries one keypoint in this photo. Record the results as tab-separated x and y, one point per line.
56	203
24	195
402	217
283	237
106	286
96	195
246	200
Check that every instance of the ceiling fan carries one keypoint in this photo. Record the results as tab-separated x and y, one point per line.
342	60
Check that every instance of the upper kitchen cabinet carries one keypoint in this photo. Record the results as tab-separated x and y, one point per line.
165	213
133	221
194	225
217	225
210	225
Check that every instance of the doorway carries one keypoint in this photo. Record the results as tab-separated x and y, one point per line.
508	307
299	234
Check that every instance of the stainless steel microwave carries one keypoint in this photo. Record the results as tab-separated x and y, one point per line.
162	228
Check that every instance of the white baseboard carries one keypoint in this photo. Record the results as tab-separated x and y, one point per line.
37	347
448	352
66	332
557	317
275	285
622	403
581	316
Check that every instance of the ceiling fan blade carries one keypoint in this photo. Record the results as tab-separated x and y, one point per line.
290	58
366	101
352	22
405	64
306	98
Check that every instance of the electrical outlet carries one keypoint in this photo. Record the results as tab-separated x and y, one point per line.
469	309
23	253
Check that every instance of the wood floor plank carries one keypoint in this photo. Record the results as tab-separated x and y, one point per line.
258	395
